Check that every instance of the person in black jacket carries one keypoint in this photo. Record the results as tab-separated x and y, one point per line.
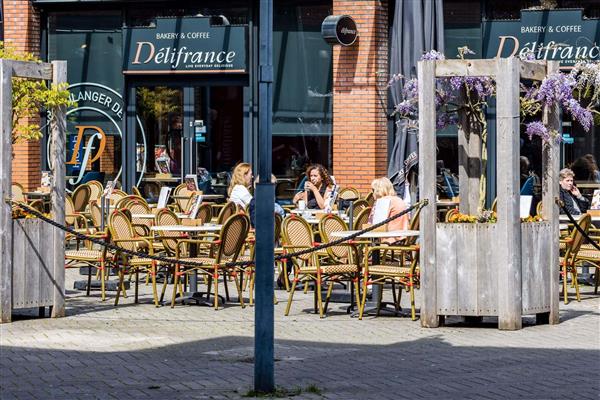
574	202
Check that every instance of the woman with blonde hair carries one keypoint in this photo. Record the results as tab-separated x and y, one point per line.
241	181
383	192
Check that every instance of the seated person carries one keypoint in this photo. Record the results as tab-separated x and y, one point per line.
383	189
240	183
317	187
252	207
574	202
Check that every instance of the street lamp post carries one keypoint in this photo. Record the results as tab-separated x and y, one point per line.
264	376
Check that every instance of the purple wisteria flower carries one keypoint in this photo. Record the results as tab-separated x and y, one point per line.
406	108
556	88
411	89
580	114
433	55
537	128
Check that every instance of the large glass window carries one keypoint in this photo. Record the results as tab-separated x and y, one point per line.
92	46
302	98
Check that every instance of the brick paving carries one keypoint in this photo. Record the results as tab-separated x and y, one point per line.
141	352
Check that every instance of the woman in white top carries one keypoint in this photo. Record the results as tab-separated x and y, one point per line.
240	182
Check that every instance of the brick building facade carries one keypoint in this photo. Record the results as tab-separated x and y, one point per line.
359	133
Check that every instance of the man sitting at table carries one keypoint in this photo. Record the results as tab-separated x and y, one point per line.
574	202
385	196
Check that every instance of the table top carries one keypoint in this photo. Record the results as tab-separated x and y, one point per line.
185	228
376	235
564	218
151	216
204	196
172	179
309	210
315	221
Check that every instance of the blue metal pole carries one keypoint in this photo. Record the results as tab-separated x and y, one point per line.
264	375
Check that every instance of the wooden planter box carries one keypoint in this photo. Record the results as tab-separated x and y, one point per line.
33	263
466	269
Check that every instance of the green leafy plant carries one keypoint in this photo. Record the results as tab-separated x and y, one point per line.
30	97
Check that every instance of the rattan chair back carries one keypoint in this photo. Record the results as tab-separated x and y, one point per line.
277	233
233	237
116	195
576	237
227	211
370	198
358	206
124	202
136	191
168	217
17	192
69	211
37	205
81	197
333	223
96	214
362	218
349	193
182	190
119	224
97	189
295	231
539	208
205	212
413	226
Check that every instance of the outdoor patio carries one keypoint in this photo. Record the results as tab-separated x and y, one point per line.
141	352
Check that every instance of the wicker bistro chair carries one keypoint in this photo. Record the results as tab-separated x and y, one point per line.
96	190
370	198
182	190
90	257
344	260
298	235
17	191
361	218
358	206
569	260
226	249
81	197
226	211
123	236
205	212
401	270
349	193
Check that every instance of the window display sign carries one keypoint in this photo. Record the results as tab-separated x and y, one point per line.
185	45
561	35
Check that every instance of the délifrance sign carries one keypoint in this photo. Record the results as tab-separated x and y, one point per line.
185	45
561	35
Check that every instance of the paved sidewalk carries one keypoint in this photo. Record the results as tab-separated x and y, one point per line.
141	352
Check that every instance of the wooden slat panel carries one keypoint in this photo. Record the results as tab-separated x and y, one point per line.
32	262
466	268
5	191
508	248
18	276
465	68
487	288
446	253
47	266
58	129
31	70
536	274
427	190
528	253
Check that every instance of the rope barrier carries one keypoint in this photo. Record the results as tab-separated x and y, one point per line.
579	228
168	260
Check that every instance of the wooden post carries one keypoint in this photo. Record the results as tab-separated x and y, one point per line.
507	258
469	166
550	191
58	138
427	190
5	191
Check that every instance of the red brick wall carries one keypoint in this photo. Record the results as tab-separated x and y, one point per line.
22	31
360	96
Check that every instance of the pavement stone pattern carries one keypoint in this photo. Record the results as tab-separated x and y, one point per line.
137	351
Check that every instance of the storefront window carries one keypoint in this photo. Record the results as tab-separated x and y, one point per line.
302	97
91	44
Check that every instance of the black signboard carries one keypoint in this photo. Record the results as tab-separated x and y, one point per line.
549	35
185	45
339	29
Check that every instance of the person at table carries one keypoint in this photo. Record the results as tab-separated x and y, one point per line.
574	202
241	181
277	209
317	187
384	194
